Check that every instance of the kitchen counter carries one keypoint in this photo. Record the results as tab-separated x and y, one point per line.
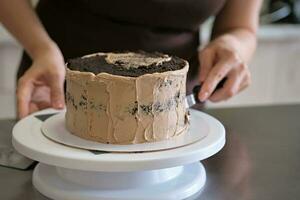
259	161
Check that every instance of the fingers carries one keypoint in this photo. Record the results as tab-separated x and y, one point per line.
24	92
36	106
237	80
33	107
231	87
245	82
57	91
216	74
206	58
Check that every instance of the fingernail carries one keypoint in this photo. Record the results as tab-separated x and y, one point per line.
203	96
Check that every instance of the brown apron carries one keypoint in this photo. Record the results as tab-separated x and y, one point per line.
82	27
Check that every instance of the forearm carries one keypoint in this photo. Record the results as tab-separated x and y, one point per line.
239	20
20	19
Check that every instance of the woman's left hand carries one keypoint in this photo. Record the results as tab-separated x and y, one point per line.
221	59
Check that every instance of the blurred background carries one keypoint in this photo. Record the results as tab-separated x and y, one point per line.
275	66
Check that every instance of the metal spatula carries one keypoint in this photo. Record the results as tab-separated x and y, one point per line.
193	99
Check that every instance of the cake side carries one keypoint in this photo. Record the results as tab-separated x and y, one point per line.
118	109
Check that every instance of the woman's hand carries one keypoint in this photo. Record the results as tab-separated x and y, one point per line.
221	59
42	84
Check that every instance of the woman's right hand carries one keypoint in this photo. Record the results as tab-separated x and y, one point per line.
42	85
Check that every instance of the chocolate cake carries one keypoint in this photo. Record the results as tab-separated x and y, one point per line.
126	97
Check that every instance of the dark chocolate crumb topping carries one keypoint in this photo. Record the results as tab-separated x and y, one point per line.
97	64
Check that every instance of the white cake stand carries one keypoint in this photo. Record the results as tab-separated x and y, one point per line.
67	173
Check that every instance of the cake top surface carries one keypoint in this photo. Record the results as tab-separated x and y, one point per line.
131	64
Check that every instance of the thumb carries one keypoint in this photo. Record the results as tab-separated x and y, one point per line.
57	91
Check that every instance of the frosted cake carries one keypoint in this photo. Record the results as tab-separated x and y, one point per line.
126	97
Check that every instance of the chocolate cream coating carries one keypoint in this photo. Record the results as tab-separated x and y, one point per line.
98	64
113	109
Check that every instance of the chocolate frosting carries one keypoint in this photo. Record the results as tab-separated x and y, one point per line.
115	109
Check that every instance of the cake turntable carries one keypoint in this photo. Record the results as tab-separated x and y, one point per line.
72	173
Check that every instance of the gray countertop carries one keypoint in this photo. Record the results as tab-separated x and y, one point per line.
260	160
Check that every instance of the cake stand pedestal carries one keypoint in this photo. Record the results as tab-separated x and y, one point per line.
68	184
67	173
